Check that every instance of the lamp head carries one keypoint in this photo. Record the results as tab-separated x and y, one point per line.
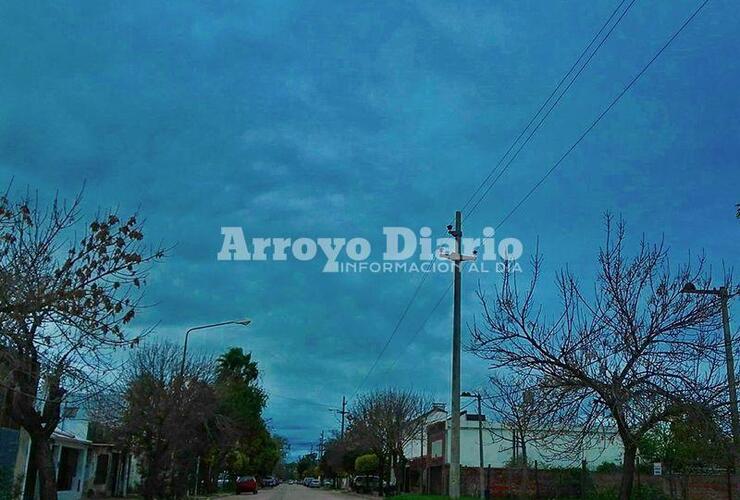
243	322
688	288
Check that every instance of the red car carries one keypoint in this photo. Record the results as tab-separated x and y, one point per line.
246	484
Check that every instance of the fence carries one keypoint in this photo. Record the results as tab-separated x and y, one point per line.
575	483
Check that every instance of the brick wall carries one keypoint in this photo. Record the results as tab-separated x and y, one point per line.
508	482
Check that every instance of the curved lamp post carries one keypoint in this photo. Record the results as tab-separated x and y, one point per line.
243	322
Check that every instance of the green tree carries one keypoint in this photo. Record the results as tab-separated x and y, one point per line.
367	464
306	465
688	441
235	366
246	445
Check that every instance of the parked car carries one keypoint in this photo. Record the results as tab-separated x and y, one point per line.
315	483
269	482
365	484
246	484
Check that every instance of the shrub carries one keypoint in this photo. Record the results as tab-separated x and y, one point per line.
365	464
609	467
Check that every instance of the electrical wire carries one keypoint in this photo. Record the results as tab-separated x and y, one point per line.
545	103
604	112
554	105
513	144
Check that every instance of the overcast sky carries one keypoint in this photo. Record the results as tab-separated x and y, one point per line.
335	119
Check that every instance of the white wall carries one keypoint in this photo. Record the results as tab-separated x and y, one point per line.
413	448
497	452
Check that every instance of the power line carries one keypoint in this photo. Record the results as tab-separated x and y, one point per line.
513	144
421	327
604	112
299	400
554	105
586	132
544	104
392	335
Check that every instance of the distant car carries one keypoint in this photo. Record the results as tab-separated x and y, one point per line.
269	482
290	481
246	484
307	481
315	483
328	483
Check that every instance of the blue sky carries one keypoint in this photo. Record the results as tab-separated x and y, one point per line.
338	118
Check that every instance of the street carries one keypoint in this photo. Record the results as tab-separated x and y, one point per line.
293	492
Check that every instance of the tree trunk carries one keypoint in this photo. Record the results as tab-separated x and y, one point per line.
524	491
44	462
381	476
628	472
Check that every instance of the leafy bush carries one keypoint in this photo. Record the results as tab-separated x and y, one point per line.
366	464
610	467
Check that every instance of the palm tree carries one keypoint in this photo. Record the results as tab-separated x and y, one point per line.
235	366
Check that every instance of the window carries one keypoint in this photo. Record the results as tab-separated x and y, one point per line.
437	448
101	469
67	469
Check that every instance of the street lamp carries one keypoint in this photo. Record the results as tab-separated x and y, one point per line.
724	297
243	322
481	474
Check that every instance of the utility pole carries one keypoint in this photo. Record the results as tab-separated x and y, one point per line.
457	258
423	457
481	474
724	298
343	412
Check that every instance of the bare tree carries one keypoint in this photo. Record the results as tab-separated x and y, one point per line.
65	299
632	355
384	422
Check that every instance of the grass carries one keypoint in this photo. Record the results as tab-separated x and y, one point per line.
427	497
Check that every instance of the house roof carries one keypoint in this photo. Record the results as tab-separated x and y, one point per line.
69	438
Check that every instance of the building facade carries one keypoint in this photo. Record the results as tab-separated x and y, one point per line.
83	468
427	471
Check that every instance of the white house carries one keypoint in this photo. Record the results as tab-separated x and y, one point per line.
83	468
427	468
497	449
414	446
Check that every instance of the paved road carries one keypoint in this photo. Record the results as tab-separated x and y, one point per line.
293	492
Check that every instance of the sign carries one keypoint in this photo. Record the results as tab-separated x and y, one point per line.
657	469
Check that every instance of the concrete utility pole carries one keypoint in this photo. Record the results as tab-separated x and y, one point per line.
455	431
724	298
457	258
343	412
